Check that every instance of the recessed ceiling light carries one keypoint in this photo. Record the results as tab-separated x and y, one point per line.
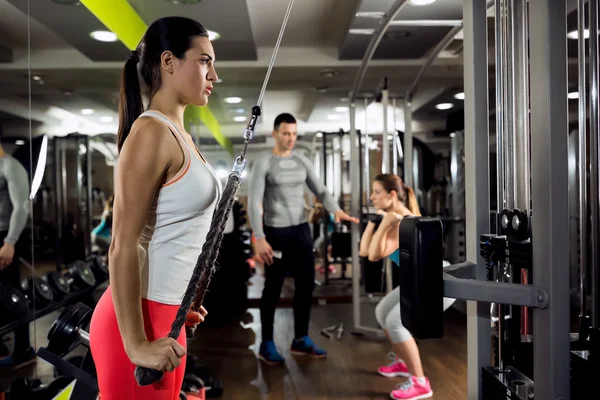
67	2
106	119
333	117
240	118
184	1
19	142
319	134
421	2
361	31
573	95
452	134
390	137
87	111
575	34
233	100
370	14
36	77
444	106
104	36
212	35
459	96
341	109
239	110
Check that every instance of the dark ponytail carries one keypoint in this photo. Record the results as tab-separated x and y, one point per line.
131	105
174	34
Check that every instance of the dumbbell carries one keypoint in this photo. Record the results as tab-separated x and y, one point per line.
14	304
38	288
60	284
82	274
99	267
193	387
67	331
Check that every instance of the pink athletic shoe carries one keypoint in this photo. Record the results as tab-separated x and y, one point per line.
412	389
396	368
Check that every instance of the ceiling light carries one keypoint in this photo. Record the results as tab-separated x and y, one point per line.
219	80
19	142
370	14
459	96
36	77
575	34
240	118
184	1
67	2
341	109
573	95
390	137
421	2
233	100
104	36
328	72
334	117
239	110
106	119
212	35
452	134
361	31
319	134
322	89
87	111
444	106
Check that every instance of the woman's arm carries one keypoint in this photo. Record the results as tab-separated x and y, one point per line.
141	168
384	241
366	238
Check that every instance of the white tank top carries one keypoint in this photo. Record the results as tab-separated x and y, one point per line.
177	224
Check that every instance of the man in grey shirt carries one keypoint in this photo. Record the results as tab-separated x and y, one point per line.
14	211
277	182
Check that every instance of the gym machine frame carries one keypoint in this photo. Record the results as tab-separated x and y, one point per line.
549	297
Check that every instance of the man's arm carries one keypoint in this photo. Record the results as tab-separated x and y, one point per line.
18	191
256	192
317	187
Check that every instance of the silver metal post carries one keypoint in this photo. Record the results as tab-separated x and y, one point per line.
507	67
500	110
521	105
476	180
394	146
88	187
549	178
354	204
385	157
408	145
594	160
582	161
367	160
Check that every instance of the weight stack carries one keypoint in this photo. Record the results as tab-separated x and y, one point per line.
513	385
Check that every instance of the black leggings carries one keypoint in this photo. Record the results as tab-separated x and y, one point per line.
295	244
12	274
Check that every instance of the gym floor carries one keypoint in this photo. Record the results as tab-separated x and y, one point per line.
349	372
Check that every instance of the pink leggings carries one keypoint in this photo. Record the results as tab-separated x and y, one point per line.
115	371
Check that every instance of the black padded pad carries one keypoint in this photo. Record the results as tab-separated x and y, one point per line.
421	277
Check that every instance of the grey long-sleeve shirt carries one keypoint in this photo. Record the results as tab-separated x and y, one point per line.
278	183
14	198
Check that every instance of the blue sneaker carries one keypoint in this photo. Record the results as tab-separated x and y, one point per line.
306	346
269	354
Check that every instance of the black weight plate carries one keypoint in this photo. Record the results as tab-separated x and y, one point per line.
58	282
64	333
192	383
43	292
82	274
14	301
182	395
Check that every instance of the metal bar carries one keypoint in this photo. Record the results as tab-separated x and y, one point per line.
394	146
88	180
464	270
427	22
385	159
521	105
367	159
58	207
375	39
325	214
509	129
408	145
582	161
501	293
499	109
432	56
476	180
594	160
354	229
549	177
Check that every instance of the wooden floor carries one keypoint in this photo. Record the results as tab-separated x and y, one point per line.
348	373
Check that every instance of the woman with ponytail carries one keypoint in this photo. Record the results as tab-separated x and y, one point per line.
165	196
394	201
